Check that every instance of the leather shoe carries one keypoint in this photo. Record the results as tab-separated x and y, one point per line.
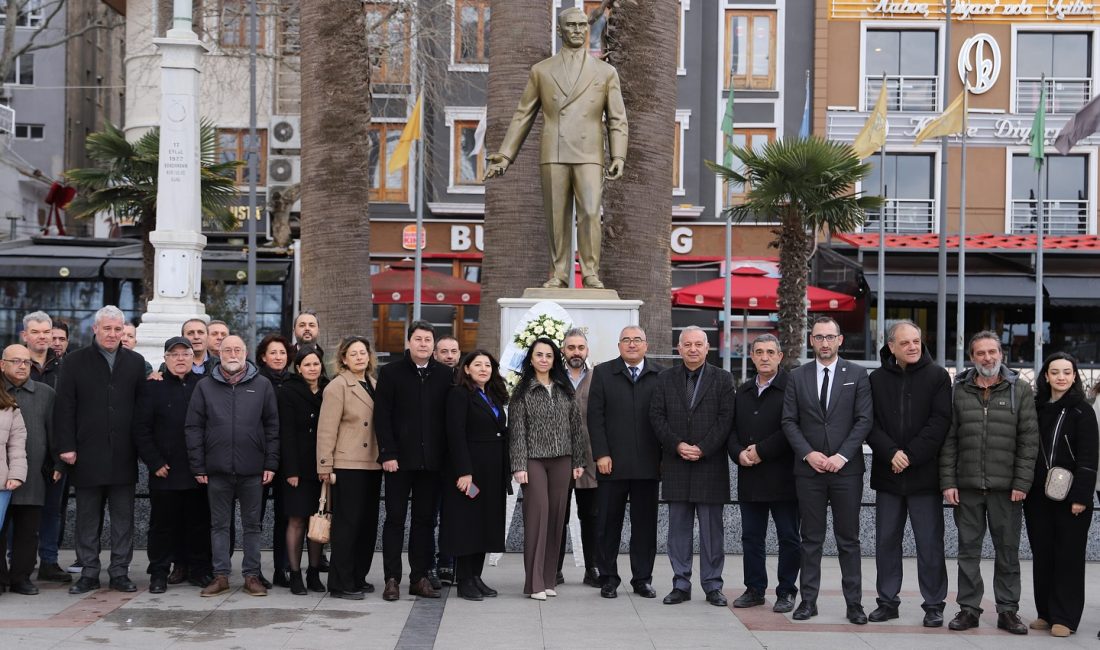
346	595
281	579
856	616
882	614
751	598
559	579
23	587
933	618
264	581
53	573
178	575
645	591
123	584
84	585
158	584
592	578
202	581
467	590
254	586
783	604
805	611
1010	621
218	586
423	588
676	596
717	598
485	589
392	591
964	620
609	591
433	580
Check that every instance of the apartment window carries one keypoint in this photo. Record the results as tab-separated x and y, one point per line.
750	49
22	71
388	41
754	139
471	41
1066	60
386	187
30	14
468	167
235	24
1066	195
233	144
909	59
909	189
29	131
597	27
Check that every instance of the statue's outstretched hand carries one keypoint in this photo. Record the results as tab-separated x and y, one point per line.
498	164
614	170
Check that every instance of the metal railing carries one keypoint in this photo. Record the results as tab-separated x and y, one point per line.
1064	94
1059	217
904	92
903	216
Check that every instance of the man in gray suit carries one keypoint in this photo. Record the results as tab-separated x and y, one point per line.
827	414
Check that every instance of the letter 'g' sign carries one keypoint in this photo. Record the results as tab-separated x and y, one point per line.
979	57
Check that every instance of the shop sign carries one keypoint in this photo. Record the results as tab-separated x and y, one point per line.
464	237
983	129
997	11
408	238
981	56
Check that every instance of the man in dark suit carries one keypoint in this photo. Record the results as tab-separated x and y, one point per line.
827	414
691	414
765	478
628	461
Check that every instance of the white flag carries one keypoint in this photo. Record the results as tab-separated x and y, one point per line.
479	138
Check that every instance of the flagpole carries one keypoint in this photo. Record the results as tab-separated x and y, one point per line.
727	298
881	302
1037	362
418	258
941	293
960	306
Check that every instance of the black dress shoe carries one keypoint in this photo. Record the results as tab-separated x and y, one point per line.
433	579
676	596
1010	621
485	589
645	591
559	579
123	584
84	585
751	598
717	598
467	590
609	591
158	584
346	595
23	587
783	603
856	616
53	573
882	614
592	578
264	581
964	620
201	581
178	575
933	618
805	611
281	579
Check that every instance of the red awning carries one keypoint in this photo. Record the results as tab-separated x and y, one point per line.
754	291
395	285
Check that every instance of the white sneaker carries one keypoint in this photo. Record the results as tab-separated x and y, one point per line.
538	595
551	593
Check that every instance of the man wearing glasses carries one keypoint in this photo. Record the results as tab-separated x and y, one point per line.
628	459
827	414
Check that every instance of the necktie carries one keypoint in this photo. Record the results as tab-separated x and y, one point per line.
634	374
825	392
693	379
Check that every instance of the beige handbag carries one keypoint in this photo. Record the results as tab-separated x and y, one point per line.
1059	479
320	524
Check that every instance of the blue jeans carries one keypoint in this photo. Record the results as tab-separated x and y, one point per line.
49	530
5	499
754	528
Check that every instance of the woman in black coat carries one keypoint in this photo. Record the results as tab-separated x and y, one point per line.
1058	530
299	407
273	362
477	441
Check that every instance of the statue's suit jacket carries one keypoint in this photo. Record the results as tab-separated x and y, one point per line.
573	126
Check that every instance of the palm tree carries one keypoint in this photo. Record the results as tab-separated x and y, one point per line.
806	184
515	230
124	186
336	118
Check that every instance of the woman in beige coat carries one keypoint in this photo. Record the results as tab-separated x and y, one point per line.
13	442
347	459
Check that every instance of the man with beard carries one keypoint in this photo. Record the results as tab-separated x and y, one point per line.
307	331
59	338
987	466
575	348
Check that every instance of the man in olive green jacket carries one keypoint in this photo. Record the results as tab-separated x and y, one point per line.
986	469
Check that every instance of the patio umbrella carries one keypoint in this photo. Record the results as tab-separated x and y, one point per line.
395	286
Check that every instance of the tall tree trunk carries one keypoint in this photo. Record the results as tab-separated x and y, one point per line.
794	245
641	44
335	120
516	254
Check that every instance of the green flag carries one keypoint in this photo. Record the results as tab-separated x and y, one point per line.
727	130
1039	127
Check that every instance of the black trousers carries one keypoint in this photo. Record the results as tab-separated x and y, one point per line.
22	523
925	512
612	497
355	497
816	494
754	530
588	509
179	529
278	532
469	566
423	486
1058	545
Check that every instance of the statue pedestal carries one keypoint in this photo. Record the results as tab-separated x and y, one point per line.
599	312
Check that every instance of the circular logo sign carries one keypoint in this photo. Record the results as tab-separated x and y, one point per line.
979	63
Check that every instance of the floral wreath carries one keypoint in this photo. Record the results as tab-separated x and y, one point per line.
541	326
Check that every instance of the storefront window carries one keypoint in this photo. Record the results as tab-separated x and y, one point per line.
909	59
1065	200
909	188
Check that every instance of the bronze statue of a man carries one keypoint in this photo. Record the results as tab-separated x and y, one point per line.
575	92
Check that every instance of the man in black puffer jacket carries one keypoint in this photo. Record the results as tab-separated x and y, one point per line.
912	397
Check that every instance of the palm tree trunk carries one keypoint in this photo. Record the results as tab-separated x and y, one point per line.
335	120
791	294
641	43
515	231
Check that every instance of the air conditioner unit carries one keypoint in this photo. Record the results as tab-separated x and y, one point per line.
286	132
284	170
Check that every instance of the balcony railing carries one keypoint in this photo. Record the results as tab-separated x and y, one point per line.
904	92
1064	95
903	217
1059	217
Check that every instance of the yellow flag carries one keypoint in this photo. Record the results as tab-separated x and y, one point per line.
951	122
409	134
873	135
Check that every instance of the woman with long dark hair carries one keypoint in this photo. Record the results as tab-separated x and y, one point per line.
272	360
477	466
548	449
347	459
1058	529
299	408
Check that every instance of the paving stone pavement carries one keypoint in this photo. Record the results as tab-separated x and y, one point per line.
577	618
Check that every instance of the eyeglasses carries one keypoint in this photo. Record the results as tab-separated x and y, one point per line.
824	337
18	362
627	340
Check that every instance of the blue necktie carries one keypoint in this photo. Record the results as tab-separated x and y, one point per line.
634	374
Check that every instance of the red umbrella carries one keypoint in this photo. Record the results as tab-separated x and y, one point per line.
753	291
395	285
